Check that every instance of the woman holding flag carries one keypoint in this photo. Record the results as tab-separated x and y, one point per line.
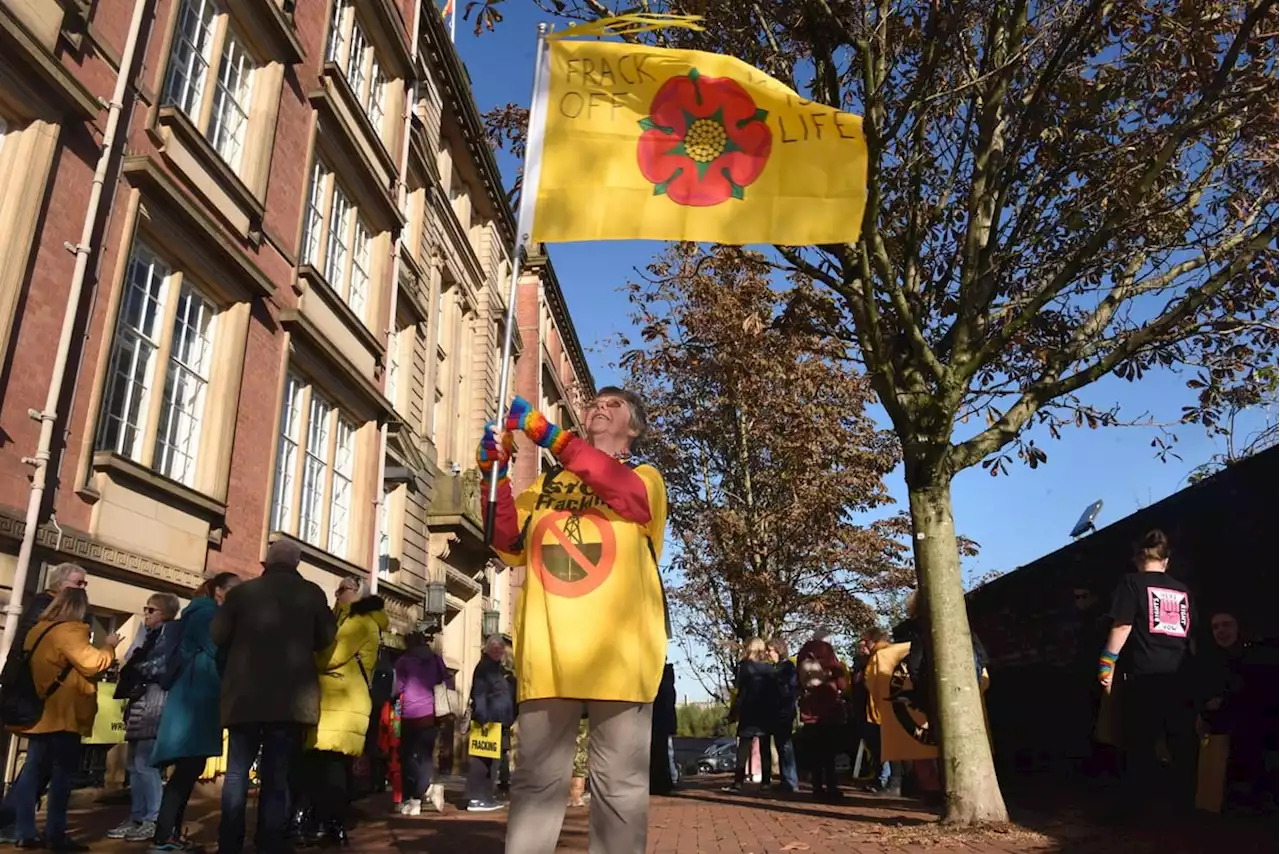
590	626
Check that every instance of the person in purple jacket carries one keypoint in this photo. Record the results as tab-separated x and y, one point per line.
418	672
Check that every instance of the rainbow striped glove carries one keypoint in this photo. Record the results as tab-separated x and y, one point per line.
489	454
522	416
1106	664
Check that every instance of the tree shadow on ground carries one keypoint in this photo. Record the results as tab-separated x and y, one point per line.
904	813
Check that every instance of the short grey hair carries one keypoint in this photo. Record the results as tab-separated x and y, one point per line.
495	639
360	585
635	405
59	574
168	604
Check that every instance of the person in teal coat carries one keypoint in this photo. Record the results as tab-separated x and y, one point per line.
190	727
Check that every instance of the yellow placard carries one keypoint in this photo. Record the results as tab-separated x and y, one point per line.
905	732
108	723
644	143
485	740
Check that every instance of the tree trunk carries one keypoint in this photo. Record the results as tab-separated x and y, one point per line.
972	791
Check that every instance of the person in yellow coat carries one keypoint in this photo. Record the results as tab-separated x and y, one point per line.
63	663
346	669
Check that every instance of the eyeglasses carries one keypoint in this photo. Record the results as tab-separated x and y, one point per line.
149	610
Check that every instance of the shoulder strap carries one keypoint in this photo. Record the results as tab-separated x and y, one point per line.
31	652
66	669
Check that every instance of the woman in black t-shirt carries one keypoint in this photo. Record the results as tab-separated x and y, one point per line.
1151	625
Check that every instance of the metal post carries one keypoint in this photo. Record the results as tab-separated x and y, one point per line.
524	225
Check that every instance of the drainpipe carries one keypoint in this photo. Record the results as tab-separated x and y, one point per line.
410	104
49	416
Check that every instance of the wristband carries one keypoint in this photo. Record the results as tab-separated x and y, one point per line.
1106	663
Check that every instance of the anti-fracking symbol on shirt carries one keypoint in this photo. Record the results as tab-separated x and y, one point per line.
565	564
904	701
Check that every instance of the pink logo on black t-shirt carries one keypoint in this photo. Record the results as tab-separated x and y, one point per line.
1168	612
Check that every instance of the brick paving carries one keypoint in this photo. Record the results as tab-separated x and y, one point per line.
702	820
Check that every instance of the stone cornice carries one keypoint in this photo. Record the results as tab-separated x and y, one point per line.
77	545
457	84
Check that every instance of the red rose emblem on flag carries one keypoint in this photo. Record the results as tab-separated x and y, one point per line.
704	140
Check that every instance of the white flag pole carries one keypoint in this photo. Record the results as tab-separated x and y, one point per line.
524	228
453	21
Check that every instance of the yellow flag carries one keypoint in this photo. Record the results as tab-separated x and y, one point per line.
643	143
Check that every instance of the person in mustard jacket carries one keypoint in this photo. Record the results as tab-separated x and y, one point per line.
63	663
346	669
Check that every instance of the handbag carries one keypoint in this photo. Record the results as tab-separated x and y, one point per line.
445	701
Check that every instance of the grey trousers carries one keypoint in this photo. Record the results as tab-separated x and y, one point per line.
618	762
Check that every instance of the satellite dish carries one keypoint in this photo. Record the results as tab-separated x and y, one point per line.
1085	525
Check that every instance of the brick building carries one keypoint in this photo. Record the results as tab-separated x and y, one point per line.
554	376
289	307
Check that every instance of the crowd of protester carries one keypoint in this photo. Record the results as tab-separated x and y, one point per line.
321	700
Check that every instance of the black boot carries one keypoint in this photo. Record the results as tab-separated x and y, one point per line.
309	831
337	833
293	831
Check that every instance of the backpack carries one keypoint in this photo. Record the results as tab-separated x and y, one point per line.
653	552
21	705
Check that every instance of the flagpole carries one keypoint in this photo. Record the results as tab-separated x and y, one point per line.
524	226
453	21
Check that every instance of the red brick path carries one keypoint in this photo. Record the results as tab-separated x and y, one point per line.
702	820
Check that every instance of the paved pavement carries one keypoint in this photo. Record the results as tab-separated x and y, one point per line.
702	820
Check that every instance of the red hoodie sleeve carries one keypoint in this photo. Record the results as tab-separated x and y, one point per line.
615	482
506	525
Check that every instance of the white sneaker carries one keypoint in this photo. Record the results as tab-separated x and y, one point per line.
436	793
123	830
412	806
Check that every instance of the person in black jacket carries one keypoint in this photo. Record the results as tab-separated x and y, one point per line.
268	631
140	684
662	775
755	707
62	576
493	701
784	724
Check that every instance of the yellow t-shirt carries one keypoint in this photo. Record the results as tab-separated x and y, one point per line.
589	620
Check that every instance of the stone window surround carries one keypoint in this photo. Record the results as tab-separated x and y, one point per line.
369	171
310	357
161	341
314	267
38	94
149	217
269	38
26	159
309	389
387	35
394	500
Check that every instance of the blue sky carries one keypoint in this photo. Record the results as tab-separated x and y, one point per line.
1014	518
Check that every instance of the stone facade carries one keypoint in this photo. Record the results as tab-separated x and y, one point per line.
296	285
